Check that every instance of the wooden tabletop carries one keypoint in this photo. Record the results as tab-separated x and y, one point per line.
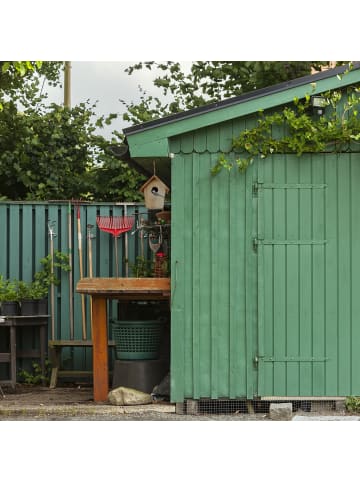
125	287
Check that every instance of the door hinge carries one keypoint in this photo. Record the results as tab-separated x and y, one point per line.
255	188
255	243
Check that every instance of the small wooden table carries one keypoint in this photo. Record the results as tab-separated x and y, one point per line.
13	322
100	290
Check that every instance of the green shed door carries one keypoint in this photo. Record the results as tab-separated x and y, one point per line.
307	257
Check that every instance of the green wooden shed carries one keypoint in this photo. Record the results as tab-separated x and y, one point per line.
265	264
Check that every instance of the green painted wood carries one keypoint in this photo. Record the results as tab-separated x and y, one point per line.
226	137
354	274
199	140
196	247
177	282
344	273
312	285
187	143
331	273
292	273
213	321
223	257
205	267
305	260
216	282
237	277
187	241
265	322
280	284
318	279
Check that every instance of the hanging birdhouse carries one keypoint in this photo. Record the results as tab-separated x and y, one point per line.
154	191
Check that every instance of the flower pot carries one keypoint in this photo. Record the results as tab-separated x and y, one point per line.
43	306
10	308
29	307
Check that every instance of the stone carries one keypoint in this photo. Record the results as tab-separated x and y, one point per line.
162	391
280	411
128	396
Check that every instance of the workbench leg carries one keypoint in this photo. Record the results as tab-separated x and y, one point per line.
100	349
55	360
13	356
43	352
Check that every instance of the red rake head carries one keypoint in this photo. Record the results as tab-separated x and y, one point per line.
115	225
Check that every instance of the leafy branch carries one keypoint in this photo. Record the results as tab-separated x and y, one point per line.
297	130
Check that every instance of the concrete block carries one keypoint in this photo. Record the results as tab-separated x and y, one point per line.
340	406
280	411
128	396
192	407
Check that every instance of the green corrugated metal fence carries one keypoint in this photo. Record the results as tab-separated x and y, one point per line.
24	240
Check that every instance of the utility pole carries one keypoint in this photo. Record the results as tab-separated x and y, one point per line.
67	85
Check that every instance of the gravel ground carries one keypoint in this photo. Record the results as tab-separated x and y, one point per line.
75	403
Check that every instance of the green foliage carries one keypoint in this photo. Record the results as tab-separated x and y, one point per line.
8	290
35	377
44	278
206	82
142	268
16	290
295	129
353	404
53	152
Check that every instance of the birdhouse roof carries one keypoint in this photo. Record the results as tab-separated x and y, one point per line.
158	181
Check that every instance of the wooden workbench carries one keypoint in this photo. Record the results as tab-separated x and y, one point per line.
100	290
13	323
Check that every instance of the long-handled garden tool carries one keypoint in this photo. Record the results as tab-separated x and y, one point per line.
115	225
71	307
90	237
52	289
83	316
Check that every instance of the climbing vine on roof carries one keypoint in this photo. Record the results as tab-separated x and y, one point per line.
297	130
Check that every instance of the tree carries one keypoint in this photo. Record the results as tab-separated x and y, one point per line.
19	79
208	81
53	152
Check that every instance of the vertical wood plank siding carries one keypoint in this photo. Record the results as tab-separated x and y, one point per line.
208	338
280	320
309	223
24	240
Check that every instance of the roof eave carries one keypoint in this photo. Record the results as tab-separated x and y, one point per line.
151	139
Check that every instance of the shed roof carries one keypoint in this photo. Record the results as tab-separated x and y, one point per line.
150	139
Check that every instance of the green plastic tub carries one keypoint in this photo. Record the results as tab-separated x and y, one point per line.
137	340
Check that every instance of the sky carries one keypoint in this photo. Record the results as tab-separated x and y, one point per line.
106	82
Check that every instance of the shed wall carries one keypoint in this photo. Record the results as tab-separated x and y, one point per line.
279	320
211	343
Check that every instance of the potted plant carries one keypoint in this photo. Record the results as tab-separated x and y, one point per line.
9	297
31	295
